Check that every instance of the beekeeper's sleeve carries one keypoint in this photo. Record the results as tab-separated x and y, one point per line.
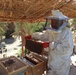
65	44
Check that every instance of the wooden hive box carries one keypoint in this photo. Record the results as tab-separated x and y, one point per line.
38	65
12	66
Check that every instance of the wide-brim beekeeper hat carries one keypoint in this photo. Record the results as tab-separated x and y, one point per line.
58	14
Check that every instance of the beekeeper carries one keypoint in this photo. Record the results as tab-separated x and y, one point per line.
61	48
61	45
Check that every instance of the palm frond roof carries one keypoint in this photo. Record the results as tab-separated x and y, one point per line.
31	10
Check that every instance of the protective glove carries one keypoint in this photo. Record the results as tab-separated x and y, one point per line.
52	45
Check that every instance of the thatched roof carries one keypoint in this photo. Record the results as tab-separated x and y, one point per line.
15	10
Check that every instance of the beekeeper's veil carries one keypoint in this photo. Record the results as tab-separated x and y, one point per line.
58	21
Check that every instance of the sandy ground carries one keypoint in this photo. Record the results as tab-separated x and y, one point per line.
14	47
73	65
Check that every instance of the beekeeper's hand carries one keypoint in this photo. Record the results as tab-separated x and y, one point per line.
51	45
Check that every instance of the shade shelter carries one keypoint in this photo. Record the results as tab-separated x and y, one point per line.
15	10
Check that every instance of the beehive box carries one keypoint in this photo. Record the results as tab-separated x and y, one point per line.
12	66
38	65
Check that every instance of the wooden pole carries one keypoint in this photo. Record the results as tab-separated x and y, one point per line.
22	38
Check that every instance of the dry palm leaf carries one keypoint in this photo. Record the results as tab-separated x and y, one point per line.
31	10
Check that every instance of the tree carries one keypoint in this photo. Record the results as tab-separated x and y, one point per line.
10	30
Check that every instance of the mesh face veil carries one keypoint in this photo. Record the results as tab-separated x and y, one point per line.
58	21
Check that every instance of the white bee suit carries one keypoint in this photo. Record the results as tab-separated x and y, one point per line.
60	53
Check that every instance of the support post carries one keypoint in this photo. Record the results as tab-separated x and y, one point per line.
22	39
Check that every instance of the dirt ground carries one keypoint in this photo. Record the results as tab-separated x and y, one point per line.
73	65
13	46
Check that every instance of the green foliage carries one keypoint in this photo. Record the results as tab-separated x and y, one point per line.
75	31
72	22
30	28
26	51
17	27
1	31
39	27
2	27
3	24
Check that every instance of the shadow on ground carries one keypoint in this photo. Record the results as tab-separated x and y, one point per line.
72	70
9	41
